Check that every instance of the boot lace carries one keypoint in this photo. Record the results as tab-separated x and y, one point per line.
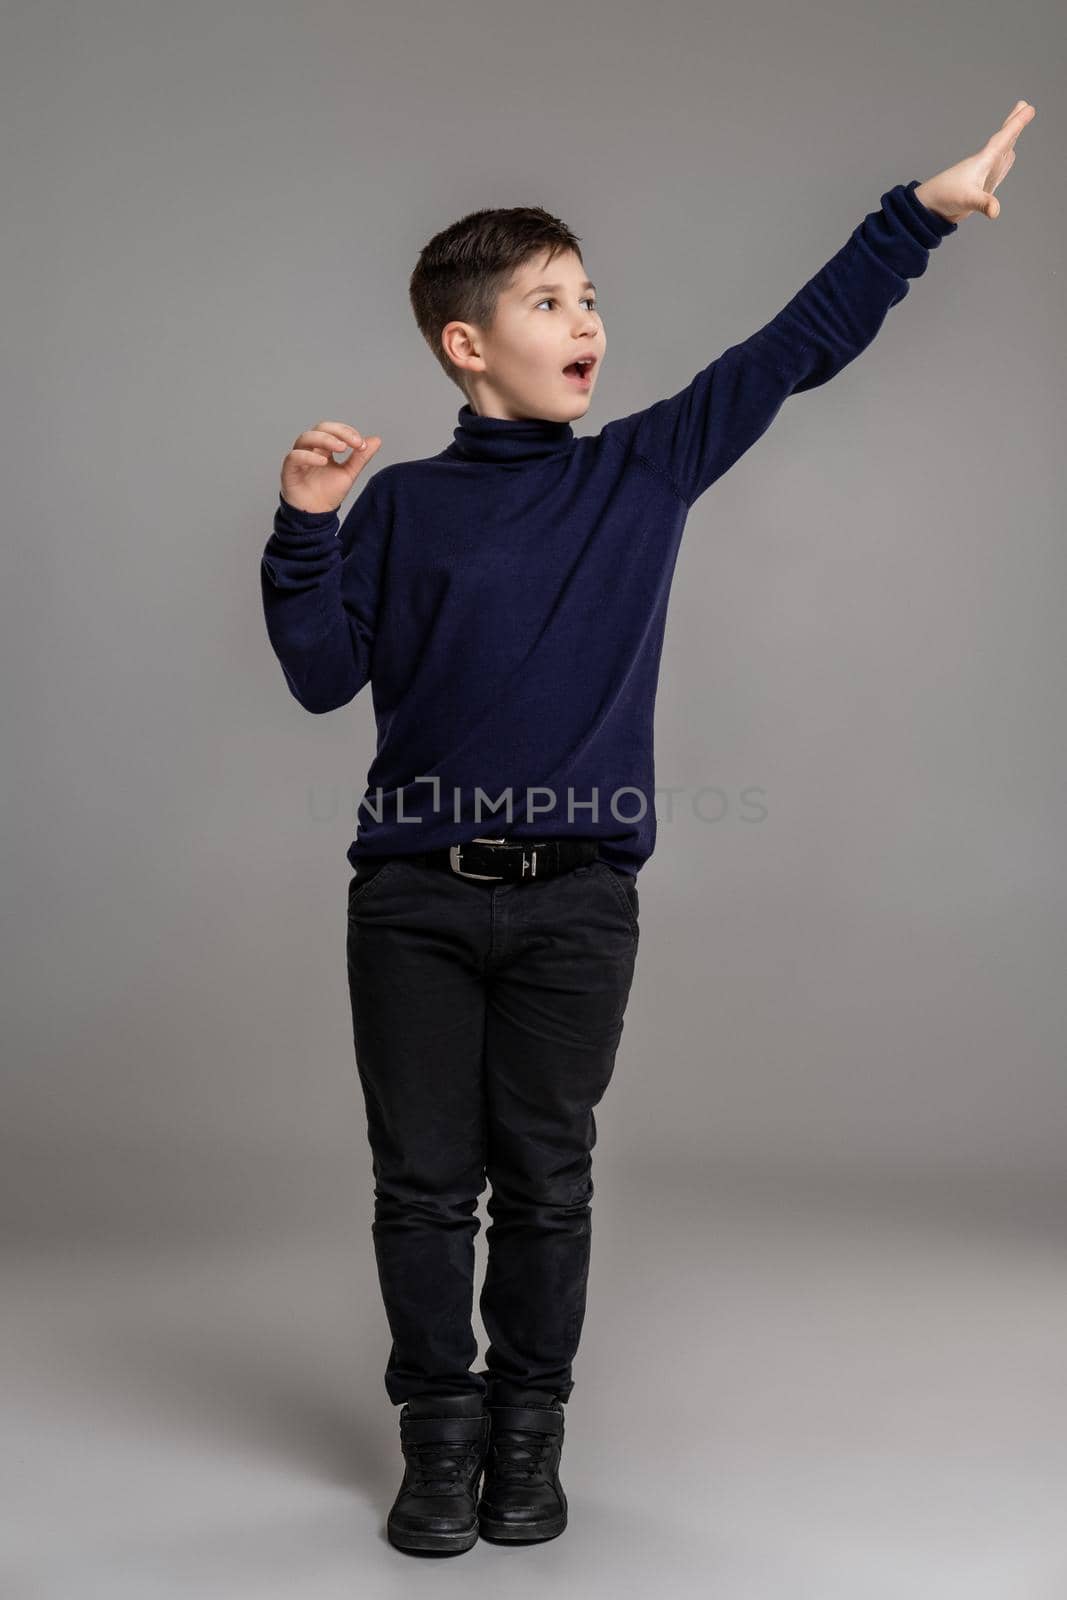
519	1454
440	1464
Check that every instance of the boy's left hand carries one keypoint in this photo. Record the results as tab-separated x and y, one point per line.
970	184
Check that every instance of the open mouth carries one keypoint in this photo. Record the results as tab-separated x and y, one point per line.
580	372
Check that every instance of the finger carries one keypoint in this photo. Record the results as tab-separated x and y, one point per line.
1013	125
1021	118
345	431
326	438
999	171
360	458
314	458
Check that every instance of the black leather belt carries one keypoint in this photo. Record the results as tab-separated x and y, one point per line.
511	860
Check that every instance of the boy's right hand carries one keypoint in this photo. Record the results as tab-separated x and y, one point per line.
311	479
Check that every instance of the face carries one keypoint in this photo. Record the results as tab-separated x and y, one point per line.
545	319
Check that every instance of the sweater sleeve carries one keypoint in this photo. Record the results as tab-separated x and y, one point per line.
320	598
696	435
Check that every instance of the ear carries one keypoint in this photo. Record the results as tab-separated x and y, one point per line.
459	345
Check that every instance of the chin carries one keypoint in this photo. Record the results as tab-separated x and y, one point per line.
580	404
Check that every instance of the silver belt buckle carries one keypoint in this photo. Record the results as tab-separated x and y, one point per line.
453	857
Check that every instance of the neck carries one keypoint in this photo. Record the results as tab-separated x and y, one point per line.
506	439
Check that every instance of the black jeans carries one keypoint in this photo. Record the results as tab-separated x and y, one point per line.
486	1018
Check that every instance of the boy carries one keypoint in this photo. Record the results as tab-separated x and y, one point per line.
506	599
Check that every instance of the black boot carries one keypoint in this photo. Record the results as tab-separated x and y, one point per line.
444	1439
522	1499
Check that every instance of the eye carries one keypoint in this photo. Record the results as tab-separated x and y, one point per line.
550	301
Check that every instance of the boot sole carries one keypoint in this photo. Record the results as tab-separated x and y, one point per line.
521	1532
446	1543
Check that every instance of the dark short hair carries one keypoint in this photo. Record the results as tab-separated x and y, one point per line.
462	270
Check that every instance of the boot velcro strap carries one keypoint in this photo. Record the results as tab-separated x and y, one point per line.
538	1419
446	1429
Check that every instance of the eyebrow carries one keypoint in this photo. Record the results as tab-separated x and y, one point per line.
555	288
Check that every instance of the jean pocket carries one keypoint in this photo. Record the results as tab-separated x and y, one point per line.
363	882
624	889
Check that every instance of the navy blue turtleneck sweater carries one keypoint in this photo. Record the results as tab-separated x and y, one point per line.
507	598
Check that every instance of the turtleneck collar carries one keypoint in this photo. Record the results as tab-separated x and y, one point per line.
502	439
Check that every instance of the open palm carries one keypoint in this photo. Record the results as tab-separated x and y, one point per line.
969	186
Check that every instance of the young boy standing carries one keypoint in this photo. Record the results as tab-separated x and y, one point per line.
507	599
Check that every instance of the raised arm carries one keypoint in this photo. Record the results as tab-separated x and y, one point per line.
696	435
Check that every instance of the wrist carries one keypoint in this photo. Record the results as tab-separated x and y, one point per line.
928	198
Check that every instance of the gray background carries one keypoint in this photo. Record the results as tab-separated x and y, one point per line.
827	1295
